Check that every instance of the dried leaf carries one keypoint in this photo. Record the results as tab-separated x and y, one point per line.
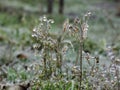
22	56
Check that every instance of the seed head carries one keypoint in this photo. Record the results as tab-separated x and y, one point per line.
84	29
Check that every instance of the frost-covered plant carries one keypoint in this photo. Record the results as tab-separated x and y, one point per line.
52	47
44	42
79	30
56	46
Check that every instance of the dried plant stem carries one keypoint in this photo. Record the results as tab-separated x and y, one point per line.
59	61
59	55
118	84
81	49
45	62
77	58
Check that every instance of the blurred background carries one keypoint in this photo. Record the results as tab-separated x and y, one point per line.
23	15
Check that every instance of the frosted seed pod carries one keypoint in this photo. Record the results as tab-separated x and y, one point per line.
65	48
44	19
34	29
34	35
77	20
52	21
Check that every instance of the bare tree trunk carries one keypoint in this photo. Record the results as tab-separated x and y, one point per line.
50	6
61	6
117	0
118	10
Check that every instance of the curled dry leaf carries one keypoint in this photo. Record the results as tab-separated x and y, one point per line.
1	38
15	87
117	61
22	56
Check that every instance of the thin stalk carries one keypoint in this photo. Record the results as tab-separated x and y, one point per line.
81	49
59	55
45	62
59	61
118	86
77	58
